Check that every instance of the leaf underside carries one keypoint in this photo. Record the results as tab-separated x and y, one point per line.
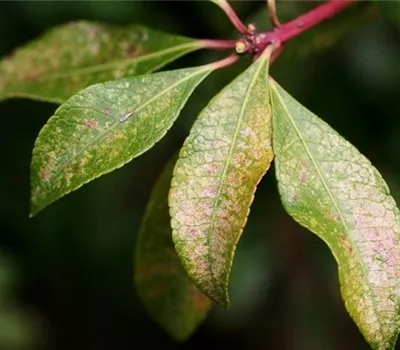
105	126
327	186
220	164
162	283
71	57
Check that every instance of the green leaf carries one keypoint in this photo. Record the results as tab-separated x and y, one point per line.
71	57
327	186
105	126
162	283
221	162
391	9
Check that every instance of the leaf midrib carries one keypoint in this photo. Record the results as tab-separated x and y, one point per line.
330	195
225	170
119	63
112	127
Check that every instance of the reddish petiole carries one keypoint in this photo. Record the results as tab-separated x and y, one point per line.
254	43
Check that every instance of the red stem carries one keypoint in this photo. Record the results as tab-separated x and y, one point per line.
217	44
225	62
300	24
231	14
233	17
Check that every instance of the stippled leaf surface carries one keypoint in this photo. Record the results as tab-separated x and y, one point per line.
391	10
71	57
103	127
327	186
162	283
220	164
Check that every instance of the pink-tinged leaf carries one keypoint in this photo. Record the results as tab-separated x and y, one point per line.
71	57
327	186
105	126
221	162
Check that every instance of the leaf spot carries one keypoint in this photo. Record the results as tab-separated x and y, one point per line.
91	123
303	172
346	244
44	176
133	51
34	76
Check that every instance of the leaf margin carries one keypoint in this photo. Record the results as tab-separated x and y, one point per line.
352	310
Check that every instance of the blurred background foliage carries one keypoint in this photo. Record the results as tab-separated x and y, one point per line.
66	275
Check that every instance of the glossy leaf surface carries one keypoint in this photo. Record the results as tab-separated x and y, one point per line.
327	186
220	164
71	57
105	126
163	285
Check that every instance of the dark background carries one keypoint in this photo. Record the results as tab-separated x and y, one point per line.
66	275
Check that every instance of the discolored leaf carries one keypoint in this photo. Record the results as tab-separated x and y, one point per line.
105	126
220	164
71	57
162	283
391	10
327	186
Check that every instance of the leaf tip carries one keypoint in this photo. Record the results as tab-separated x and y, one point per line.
219	297
179	336
226	304
33	211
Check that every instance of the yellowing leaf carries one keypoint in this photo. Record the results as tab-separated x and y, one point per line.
162	283
71	57
220	164
105	126
327	186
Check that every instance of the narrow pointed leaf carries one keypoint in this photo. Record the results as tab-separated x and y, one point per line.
327	186
162	283
71	57
103	127
221	162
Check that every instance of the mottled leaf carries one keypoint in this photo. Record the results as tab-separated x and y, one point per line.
221	162
391	9
103	127
162	283
71	57
327	186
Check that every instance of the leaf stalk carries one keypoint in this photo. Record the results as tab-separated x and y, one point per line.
213	44
273	14
231	14
225	62
256	43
